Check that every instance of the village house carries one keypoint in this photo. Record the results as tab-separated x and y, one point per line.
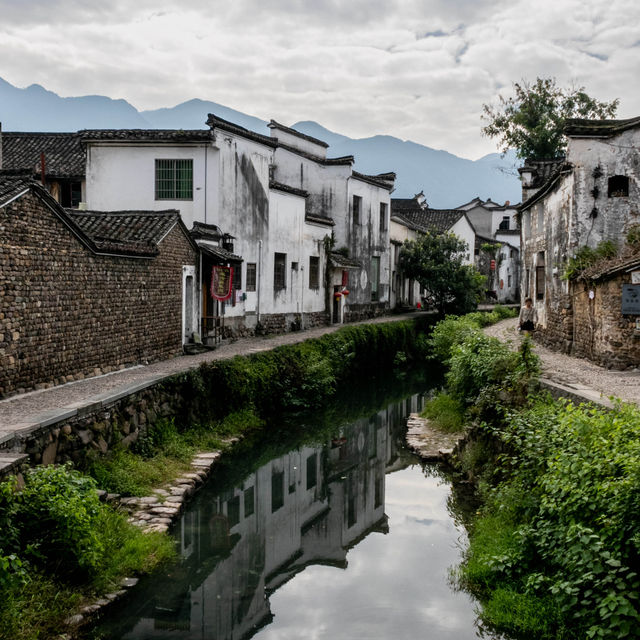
411	217
588	198
497	248
57	159
306	235
84	293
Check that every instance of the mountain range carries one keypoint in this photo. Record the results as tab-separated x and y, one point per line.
446	179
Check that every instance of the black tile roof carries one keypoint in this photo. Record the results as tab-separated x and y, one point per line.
279	186
577	127
384	180
629	261
340	261
12	185
559	170
203	231
219	123
64	154
313	217
153	135
276	125
131	232
542	169
410	213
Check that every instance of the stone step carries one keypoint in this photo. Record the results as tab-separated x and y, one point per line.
10	462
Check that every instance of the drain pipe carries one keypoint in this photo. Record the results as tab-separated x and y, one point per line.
259	278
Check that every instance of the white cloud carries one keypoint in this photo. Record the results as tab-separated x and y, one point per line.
412	68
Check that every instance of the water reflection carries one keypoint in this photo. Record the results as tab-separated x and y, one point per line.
279	536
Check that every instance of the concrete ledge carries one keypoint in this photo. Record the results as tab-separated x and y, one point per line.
577	393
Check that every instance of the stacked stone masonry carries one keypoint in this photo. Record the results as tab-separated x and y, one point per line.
67	313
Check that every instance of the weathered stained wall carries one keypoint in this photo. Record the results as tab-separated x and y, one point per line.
66	312
601	333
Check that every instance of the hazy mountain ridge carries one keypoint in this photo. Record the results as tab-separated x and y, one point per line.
446	179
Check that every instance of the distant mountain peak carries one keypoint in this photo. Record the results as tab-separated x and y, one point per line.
446	179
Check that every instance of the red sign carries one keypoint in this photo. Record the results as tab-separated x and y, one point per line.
493	265
221	281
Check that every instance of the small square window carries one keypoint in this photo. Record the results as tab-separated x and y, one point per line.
174	179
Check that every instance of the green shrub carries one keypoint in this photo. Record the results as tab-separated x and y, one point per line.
573	537
446	413
449	333
477	362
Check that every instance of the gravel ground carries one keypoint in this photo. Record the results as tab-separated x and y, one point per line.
575	371
25	408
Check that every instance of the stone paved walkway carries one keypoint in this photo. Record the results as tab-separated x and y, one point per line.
583	376
23	411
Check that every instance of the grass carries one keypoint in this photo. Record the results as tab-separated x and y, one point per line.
445	413
165	453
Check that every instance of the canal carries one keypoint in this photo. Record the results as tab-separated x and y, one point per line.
343	535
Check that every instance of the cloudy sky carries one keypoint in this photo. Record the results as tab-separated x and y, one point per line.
416	69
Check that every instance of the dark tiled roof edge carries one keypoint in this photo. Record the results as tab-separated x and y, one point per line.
312	217
215	122
561	170
155	135
343	160
374	180
577	127
276	125
279	186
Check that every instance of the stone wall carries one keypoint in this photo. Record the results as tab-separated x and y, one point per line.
357	312
271	323
602	334
67	313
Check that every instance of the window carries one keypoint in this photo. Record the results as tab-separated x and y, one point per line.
509	281
279	271
383	216
249	502
277	490
357	209
251	276
233	511
618	187
174	179
540	269
237	277
375	278
504	225
314	272
312	470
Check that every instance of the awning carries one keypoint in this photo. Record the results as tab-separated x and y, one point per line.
338	261
219	254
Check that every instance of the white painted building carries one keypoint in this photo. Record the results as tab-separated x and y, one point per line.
272	207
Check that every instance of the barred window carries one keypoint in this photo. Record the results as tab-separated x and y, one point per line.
279	271
251	276
314	272
174	179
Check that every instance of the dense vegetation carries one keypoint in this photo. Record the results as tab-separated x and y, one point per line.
554	552
60	546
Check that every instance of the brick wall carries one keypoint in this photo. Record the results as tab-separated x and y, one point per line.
602	333
66	313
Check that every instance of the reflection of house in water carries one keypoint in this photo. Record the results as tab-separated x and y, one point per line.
308	507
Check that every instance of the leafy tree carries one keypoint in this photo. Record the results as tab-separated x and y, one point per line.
533	120
436	262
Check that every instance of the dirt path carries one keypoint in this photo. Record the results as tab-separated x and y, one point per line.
575	372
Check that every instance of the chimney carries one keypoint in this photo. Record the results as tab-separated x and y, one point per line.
507	203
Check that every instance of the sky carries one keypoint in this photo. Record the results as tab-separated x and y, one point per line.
416	69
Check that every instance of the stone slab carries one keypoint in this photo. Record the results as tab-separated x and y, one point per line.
49	418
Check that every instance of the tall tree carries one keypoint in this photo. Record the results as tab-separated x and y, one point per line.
532	121
437	263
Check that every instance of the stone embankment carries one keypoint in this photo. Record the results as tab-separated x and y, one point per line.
430	444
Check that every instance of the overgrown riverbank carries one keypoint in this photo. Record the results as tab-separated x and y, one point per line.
60	546
554	551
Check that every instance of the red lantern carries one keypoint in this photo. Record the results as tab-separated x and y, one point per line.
345	292
493	265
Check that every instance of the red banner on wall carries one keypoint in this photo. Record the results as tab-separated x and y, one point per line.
221	282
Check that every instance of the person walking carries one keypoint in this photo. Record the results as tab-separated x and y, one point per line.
528	317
